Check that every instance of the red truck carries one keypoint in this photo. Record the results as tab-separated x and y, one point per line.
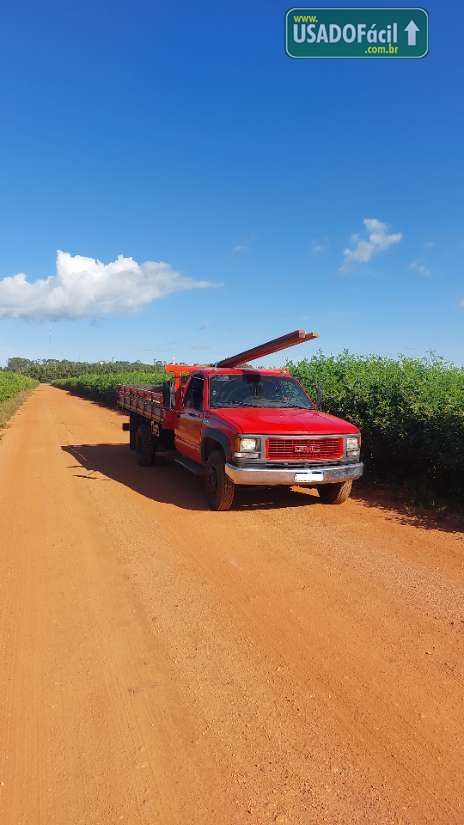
237	426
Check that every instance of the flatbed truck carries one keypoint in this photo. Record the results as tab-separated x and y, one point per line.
235	426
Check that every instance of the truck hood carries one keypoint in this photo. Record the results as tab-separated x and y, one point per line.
270	421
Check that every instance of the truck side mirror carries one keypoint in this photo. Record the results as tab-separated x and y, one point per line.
319	396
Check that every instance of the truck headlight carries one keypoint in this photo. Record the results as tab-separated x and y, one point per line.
248	445
353	444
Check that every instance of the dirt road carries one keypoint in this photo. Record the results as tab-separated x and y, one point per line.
287	662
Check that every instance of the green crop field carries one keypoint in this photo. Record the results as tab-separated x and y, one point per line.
102	387
410	411
12	387
11	383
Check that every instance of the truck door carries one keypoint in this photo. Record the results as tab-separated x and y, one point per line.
190	420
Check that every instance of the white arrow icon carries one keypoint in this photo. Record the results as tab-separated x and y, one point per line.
412	30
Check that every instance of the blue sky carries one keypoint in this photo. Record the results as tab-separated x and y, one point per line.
184	134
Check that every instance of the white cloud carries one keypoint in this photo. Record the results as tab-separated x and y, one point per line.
240	247
86	287
421	268
376	239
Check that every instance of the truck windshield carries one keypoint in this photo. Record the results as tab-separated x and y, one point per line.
255	390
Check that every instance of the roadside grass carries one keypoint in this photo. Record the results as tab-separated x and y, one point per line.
14	388
10	406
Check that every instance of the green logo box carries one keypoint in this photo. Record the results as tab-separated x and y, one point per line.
369	33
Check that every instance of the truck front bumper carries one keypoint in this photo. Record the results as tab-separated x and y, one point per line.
311	477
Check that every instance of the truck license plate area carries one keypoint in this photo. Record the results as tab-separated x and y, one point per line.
309	475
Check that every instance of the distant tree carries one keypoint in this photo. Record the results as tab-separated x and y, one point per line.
51	369
18	364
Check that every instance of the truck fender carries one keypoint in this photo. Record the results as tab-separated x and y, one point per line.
212	437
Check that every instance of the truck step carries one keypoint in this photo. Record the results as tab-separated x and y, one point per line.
192	466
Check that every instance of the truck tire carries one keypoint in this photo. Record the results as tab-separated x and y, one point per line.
144	445
335	493
220	490
132	432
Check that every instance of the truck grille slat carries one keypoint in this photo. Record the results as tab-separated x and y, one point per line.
313	449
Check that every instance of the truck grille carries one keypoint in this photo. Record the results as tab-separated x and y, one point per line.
311	449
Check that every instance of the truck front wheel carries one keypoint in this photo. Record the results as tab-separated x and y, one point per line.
335	493
220	489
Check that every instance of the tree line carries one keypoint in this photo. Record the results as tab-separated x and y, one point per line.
51	369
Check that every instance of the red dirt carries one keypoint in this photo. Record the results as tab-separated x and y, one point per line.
287	662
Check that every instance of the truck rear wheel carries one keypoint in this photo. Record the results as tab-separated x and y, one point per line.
144	445
132	432
335	493
220	490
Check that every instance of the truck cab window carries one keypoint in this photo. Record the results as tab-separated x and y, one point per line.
194	397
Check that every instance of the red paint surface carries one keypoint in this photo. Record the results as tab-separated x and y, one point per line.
268	421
